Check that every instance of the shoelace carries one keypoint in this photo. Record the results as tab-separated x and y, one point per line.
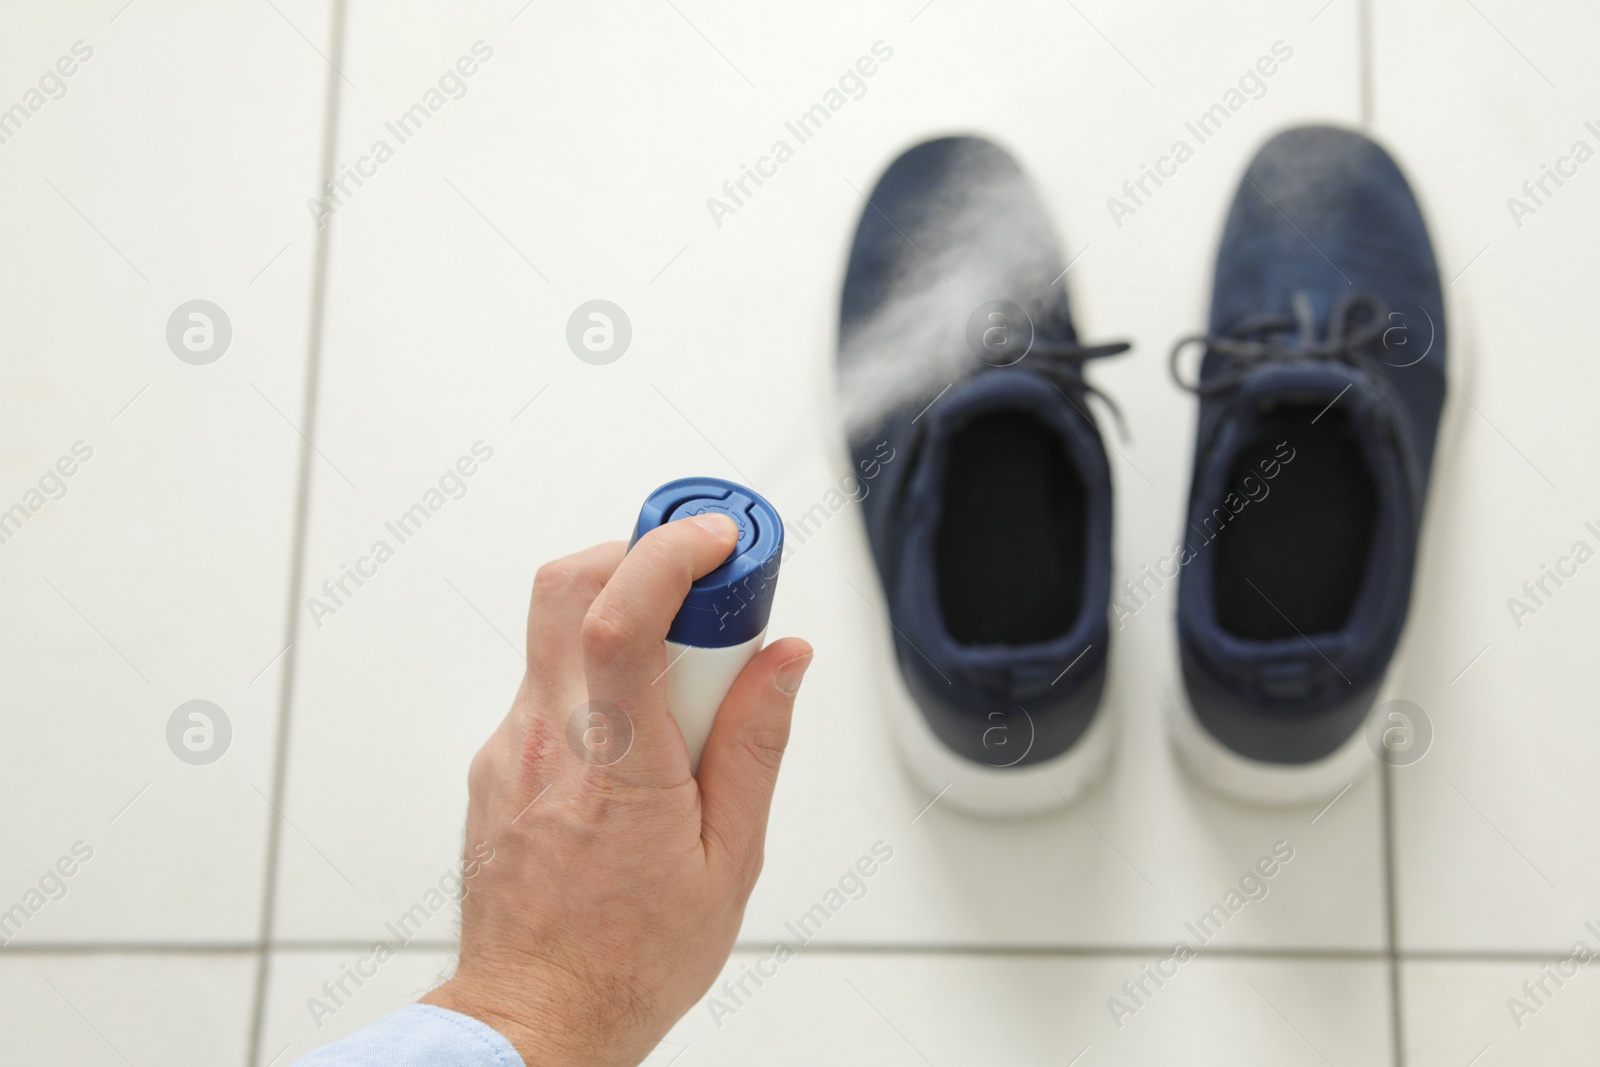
1264	338
1062	362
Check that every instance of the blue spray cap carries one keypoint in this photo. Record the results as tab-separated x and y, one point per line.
730	605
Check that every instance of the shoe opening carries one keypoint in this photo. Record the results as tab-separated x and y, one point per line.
1293	559
1009	550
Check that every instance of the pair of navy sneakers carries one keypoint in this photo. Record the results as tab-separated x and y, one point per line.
1320	387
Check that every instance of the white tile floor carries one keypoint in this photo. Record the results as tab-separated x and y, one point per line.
429	315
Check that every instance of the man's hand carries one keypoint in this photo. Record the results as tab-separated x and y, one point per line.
617	880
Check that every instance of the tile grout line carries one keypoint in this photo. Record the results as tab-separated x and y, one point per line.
280	765
1391	917
1391	914
1294	953
1390	875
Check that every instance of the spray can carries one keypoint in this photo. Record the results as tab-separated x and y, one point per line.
723	621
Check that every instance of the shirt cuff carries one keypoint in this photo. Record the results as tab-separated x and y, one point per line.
419	1035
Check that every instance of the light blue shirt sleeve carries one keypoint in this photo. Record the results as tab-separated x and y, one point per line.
419	1035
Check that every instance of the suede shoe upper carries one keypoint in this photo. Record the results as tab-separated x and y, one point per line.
1328	329
976	434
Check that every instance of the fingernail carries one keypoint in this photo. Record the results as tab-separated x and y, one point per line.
718	524
791	673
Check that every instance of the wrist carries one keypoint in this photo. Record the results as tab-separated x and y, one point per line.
535	1042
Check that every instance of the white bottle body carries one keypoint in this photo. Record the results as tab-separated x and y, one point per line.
697	681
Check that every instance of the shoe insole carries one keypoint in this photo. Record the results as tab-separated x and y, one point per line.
1009	548
1293	561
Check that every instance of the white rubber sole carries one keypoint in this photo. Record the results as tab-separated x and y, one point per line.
997	792
1224	771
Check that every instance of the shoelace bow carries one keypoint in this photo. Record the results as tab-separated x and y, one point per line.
1264	338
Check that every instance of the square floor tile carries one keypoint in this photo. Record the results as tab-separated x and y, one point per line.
1480	1013
314	997
146	560
95	1009
939	1009
451	283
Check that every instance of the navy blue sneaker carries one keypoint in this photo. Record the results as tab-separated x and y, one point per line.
989	495
1320	394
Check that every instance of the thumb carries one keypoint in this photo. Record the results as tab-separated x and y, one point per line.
739	768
